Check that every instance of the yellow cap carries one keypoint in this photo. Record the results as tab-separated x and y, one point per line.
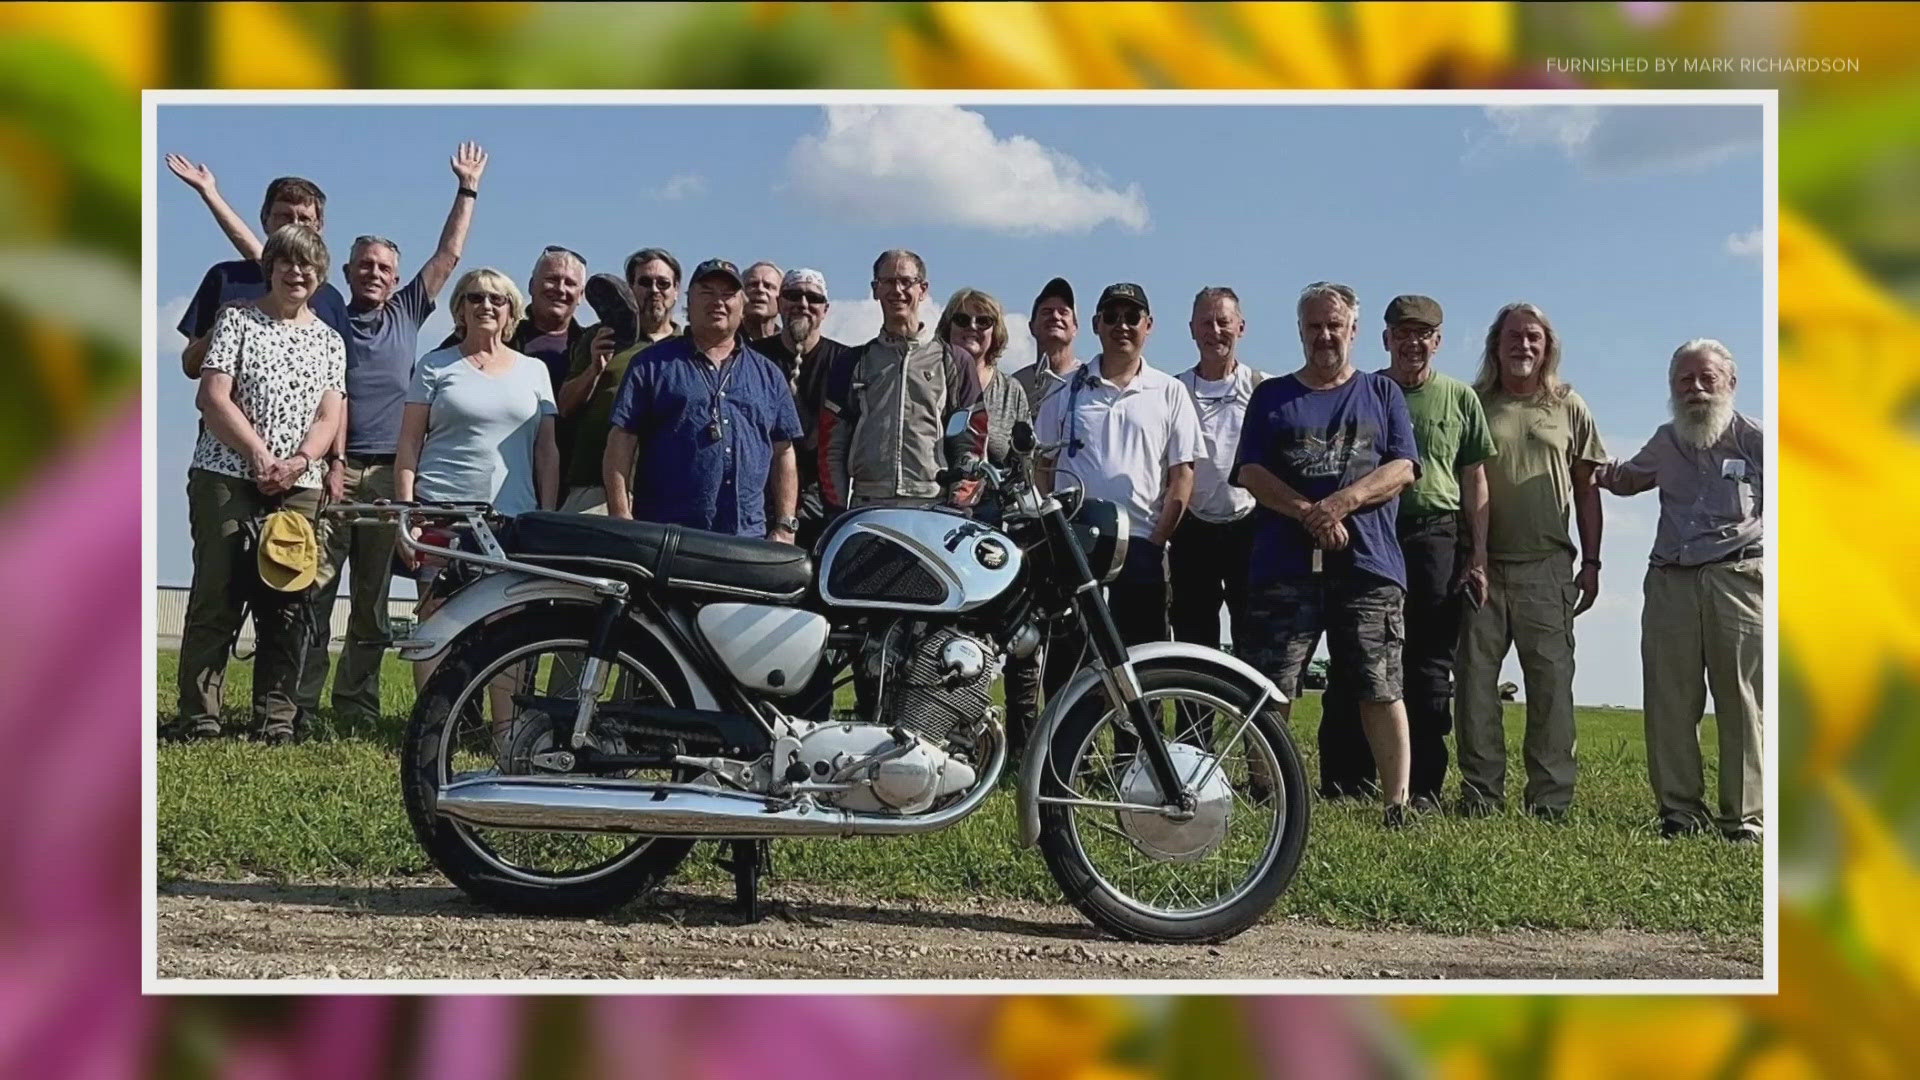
289	551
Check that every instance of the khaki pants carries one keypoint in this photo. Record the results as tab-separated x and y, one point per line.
1704	620
586	500
226	585
368	549
1529	607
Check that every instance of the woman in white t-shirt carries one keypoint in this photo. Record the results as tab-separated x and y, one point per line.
479	418
272	393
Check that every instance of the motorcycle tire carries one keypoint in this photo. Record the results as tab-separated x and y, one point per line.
1107	906
450	847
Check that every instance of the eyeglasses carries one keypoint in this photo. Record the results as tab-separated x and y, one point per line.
654	284
1122	316
903	284
975	322
492	299
795	296
1405	332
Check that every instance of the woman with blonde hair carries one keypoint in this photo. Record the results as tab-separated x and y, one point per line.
975	321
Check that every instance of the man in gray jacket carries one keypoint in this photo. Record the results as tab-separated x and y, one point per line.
887	405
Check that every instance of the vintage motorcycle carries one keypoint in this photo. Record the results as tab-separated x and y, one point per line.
608	693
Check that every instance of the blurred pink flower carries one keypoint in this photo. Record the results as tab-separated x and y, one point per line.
716	1038
70	790
1647	15
1315	1037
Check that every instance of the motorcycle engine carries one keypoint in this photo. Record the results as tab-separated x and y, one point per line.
936	682
885	773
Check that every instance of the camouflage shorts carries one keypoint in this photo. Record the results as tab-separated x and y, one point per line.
1361	615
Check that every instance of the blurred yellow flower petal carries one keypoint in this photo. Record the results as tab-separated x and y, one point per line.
1881	884
1407	44
36	182
265	46
1833	314
1176	47
1298	44
1056	1038
1883	36
1779	1062
1004	45
61	362
123	38
1596	1039
1848	608
1830	1013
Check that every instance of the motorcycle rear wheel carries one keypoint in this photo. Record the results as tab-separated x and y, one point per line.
1133	889
450	733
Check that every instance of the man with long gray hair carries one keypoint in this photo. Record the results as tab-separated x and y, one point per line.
1546	447
1704	593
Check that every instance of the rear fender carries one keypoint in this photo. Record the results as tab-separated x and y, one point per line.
506	592
1152	656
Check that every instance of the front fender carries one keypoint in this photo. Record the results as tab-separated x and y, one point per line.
507	591
1087	680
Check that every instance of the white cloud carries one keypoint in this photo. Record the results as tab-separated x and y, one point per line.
679	186
171	340
1624	140
942	165
1746	244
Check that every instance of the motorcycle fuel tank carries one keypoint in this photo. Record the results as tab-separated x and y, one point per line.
907	559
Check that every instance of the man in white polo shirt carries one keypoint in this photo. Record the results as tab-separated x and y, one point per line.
1131	438
1207	562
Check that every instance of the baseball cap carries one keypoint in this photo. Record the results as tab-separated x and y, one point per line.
1057	287
717	266
1124	290
289	553
804	277
1413	308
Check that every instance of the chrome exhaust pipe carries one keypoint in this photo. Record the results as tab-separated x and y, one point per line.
553	804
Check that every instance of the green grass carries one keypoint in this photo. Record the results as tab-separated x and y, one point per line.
330	809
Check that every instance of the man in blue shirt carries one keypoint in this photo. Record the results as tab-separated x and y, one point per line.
290	200
715	420
1326	451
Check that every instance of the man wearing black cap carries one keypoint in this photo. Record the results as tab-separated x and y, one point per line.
1053	325
1131	437
1450	428
717	420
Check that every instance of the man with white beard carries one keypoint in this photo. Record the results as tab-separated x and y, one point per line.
1703	593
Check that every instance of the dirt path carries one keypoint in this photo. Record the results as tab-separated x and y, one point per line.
423	929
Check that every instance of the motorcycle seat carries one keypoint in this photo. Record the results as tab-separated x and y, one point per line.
663	556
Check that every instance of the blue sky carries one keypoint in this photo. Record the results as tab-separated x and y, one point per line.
1634	227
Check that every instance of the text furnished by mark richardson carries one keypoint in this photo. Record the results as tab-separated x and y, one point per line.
1704	65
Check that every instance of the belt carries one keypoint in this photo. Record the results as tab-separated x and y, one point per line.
1751	551
369	459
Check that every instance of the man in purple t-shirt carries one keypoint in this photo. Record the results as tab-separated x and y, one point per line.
1326	451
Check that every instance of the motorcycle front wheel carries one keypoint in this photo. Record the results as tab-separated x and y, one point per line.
1144	875
466	724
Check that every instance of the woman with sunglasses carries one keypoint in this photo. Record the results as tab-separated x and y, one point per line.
480	416
975	321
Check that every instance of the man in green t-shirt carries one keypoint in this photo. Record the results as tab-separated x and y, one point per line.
1451	431
1548	449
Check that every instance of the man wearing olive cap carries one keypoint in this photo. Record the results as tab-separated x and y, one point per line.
1449	498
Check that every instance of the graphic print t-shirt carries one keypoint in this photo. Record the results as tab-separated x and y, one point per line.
1317	442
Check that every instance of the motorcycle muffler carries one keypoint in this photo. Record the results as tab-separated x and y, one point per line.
582	804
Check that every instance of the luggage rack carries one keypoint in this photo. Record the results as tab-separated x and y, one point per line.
477	518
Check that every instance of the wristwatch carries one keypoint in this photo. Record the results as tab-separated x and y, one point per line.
790	524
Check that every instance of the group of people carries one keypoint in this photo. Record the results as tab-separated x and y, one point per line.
1419	523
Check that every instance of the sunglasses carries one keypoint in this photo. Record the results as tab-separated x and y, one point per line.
655	284
975	322
795	296
490	298
1119	316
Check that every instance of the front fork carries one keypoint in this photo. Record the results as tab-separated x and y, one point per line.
1116	670
593	674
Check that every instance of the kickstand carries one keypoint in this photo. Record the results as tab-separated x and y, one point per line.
750	859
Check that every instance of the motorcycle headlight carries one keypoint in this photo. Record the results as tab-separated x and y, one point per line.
1101	528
